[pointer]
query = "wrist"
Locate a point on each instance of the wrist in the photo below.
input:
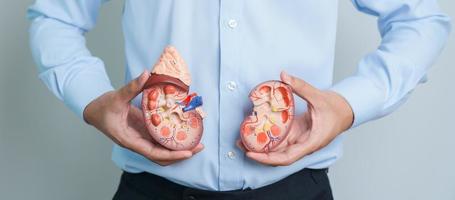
(93, 109)
(87, 112)
(343, 110)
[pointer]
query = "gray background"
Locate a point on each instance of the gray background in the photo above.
(48, 153)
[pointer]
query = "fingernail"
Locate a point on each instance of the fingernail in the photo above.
(141, 75)
(144, 74)
(286, 78)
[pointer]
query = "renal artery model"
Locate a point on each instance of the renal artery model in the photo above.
(272, 116)
(172, 116)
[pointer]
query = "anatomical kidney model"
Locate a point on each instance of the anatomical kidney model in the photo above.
(272, 116)
(173, 116)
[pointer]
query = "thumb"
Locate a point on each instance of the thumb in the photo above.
(134, 87)
(301, 88)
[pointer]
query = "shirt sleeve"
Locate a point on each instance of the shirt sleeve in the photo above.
(413, 33)
(64, 63)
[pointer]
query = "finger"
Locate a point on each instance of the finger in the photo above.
(165, 163)
(271, 158)
(136, 114)
(283, 145)
(195, 150)
(240, 145)
(134, 87)
(156, 152)
(303, 89)
(198, 148)
(291, 155)
(136, 121)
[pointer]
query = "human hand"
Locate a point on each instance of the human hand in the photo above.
(123, 123)
(328, 115)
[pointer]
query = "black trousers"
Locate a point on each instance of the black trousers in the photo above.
(303, 185)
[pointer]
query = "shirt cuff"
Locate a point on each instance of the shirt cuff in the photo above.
(83, 89)
(80, 87)
(364, 96)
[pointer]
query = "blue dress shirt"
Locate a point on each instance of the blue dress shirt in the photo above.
(230, 46)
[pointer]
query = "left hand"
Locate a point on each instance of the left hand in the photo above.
(328, 115)
(113, 115)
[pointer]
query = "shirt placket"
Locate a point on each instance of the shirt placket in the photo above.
(230, 157)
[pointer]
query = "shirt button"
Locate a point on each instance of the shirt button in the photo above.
(231, 154)
(231, 85)
(232, 23)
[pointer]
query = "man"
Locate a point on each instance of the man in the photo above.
(230, 46)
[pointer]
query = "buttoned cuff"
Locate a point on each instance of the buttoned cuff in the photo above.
(363, 95)
(84, 89)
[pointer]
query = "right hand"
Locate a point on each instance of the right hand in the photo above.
(123, 123)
